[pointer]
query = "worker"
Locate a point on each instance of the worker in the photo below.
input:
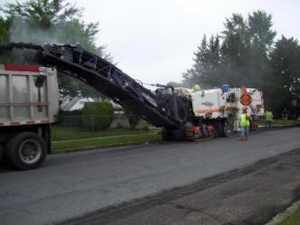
(244, 124)
(285, 115)
(196, 87)
(269, 118)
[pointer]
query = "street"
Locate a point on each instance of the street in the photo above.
(76, 185)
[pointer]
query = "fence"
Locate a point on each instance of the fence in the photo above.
(120, 120)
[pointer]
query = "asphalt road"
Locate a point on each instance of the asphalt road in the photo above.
(85, 185)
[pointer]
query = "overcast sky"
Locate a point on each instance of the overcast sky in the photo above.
(155, 40)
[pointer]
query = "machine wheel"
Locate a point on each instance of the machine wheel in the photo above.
(220, 128)
(26, 150)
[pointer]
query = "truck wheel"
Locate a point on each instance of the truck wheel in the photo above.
(26, 150)
(1, 152)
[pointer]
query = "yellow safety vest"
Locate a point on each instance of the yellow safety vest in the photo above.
(197, 87)
(244, 121)
(269, 115)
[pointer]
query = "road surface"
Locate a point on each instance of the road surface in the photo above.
(77, 185)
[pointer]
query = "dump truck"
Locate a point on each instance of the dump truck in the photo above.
(29, 106)
(28, 110)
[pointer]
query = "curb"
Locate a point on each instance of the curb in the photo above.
(285, 214)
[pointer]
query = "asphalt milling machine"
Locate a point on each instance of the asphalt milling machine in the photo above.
(183, 114)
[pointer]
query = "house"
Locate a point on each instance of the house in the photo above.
(75, 103)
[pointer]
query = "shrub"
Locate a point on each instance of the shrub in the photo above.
(97, 116)
(132, 118)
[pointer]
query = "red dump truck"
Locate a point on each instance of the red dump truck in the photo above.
(29, 106)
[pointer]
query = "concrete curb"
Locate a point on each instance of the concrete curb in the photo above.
(285, 214)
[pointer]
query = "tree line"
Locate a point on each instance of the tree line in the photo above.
(243, 54)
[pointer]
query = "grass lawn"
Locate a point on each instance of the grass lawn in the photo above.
(69, 133)
(282, 123)
(293, 219)
(66, 139)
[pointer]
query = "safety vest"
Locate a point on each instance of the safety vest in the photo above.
(197, 87)
(269, 115)
(244, 121)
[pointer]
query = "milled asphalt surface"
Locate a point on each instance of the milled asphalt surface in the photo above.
(252, 195)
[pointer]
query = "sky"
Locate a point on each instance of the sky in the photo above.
(154, 41)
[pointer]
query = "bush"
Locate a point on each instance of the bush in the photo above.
(132, 118)
(97, 116)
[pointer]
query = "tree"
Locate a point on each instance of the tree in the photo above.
(245, 49)
(261, 38)
(260, 34)
(42, 14)
(285, 58)
(4, 30)
(4, 35)
(53, 21)
(206, 71)
(239, 57)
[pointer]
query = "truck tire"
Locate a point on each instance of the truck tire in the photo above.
(26, 150)
(1, 152)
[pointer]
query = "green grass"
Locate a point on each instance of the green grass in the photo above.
(68, 133)
(288, 123)
(293, 219)
(77, 139)
(282, 123)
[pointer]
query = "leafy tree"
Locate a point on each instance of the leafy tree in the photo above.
(4, 35)
(234, 48)
(260, 34)
(42, 14)
(239, 57)
(4, 30)
(285, 58)
(261, 40)
(245, 49)
(53, 21)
